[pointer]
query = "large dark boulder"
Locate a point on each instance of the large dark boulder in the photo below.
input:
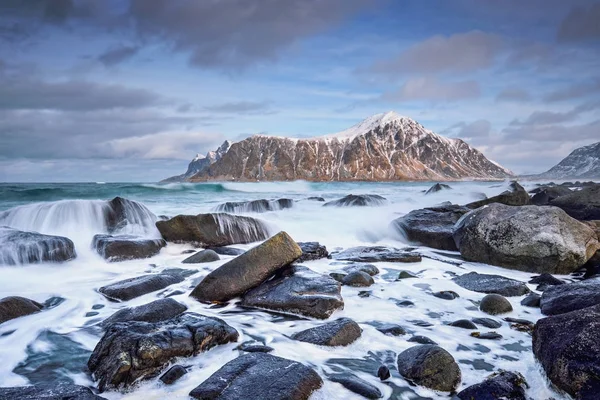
(248, 270)
(19, 247)
(129, 351)
(217, 229)
(561, 299)
(203, 256)
(360, 200)
(502, 385)
(357, 385)
(255, 206)
(340, 332)
(495, 304)
(568, 348)
(582, 204)
(377, 253)
(528, 238)
(54, 391)
(485, 283)
(312, 251)
(259, 376)
(124, 247)
(134, 287)
(358, 279)
(156, 311)
(297, 290)
(438, 187)
(431, 366)
(545, 195)
(516, 195)
(431, 227)
(122, 212)
(14, 307)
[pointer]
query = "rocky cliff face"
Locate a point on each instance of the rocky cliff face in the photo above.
(382, 147)
(582, 163)
(201, 163)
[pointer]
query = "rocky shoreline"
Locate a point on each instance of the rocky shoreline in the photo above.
(551, 231)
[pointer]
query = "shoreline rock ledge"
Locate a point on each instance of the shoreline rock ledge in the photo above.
(248, 270)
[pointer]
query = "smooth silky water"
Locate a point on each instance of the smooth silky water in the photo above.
(55, 344)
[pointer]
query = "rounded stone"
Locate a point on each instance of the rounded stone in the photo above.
(494, 304)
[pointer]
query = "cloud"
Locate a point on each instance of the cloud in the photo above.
(241, 107)
(513, 94)
(546, 132)
(476, 129)
(461, 53)
(581, 24)
(117, 55)
(550, 117)
(429, 88)
(574, 91)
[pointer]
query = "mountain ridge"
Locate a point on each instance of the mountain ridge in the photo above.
(581, 163)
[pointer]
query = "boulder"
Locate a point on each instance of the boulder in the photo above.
(376, 254)
(502, 385)
(432, 227)
(245, 377)
(248, 270)
(582, 204)
(203, 256)
(252, 347)
(315, 198)
(487, 335)
(532, 300)
(485, 283)
(368, 269)
(529, 238)
(312, 251)
(213, 230)
(54, 391)
(383, 373)
(358, 279)
(297, 290)
(227, 251)
(129, 351)
(156, 311)
(357, 385)
(464, 324)
(255, 206)
(516, 195)
(173, 374)
(494, 304)
(124, 247)
(421, 340)
(487, 322)
(340, 332)
(437, 187)
(545, 280)
(568, 348)
(134, 287)
(122, 212)
(389, 329)
(446, 295)
(545, 195)
(360, 200)
(562, 299)
(14, 307)
(19, 247)
(430, 366)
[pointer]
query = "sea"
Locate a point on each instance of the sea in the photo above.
(55, 344)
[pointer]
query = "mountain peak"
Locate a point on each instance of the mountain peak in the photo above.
(371, 123)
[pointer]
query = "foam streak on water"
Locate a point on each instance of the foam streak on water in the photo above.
(77, 282)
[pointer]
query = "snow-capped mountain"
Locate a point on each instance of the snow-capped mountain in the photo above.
(582, 163)
(383, 147)
(201, 162)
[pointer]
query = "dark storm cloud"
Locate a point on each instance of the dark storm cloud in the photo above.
(117, 55)
(230, 33)
(582, 23)
(513, 94)
(241, 107)
(574, 91)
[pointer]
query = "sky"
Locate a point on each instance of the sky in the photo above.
(131, 90)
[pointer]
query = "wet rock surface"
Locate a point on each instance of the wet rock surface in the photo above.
(516, 195)
(360, 200)
(255, 206)
(20, 247)
(297, 290)
(312, 251)
(203, 256)
(245, 377)
(430, 366)
(530, 238)
(485, 283)
(432, 227)
(340, 332)
(494, 304)
(570, 297)
(136, 350)
(248, 270)
(124, 247)
(568, 348)
(122, 212)
(532, 300)
(60, 391)
(369, 269)
(156, 311)
(15, 306)
(227, 251)
(437, 188)
(173, 374)
(213, 230)
(582, 204)
(134, 287)
(502, 385)
(358, 279)
(545, 195)
(377, 253)
(357, 385)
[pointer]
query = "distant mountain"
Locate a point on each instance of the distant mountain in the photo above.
(383, 147)
(582, 163)
(200, 163)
